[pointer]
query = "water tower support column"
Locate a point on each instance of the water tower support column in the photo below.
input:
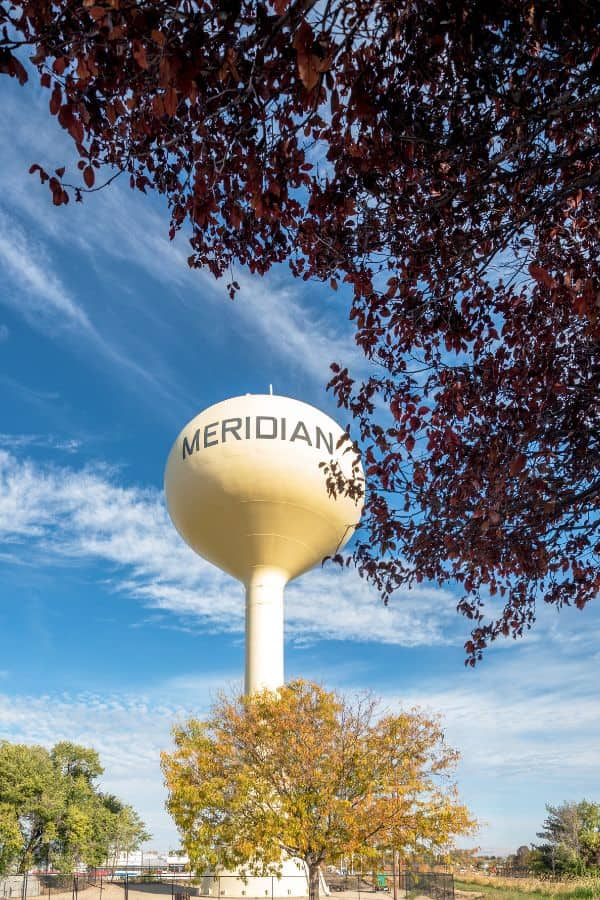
(264, 630)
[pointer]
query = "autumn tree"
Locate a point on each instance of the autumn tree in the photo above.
(52, 812)
(309, 774)
(439, 158)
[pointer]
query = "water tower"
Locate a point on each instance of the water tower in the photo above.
(244, 489)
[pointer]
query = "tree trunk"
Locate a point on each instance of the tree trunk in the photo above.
(313, 881)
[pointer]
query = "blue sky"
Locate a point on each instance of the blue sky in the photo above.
(112, 629)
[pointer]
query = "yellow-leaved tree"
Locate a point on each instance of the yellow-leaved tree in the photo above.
(310, 774)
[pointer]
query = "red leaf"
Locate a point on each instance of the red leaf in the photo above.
(170, 101)
(88, 176)
(310, 65)
(55, 99)
(60, 64)
(409, 443)
(75, 129)
(18, 70)
(517, 464)
(97, 13)
(139, 54)
(541, 275)
(236, 216)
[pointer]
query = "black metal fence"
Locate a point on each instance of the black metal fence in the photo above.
(21, 887)
(362, 883)
(437, 885)
(184, 886)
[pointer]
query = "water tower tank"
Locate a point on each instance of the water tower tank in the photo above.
(245, 491)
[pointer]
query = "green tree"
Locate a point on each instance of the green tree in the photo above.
(53, 812)
(76, 762)
(589, 833)
(28, 787)
(129, 832)
(571, 835)
(309, 774)
(10, 836)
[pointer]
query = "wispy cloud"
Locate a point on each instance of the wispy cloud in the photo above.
(125, 227)
(15, 442)
(32, 287)
(35, 396)
(86, 514)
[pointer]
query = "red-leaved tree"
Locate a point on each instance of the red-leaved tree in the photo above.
(442, 159)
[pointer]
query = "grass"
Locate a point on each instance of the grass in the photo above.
(496, 888)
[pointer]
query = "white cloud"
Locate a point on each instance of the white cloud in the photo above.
(527, 725)
(333, 604)
(85, 514)
(522, 715)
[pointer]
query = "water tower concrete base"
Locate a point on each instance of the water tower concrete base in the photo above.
(291, 883)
